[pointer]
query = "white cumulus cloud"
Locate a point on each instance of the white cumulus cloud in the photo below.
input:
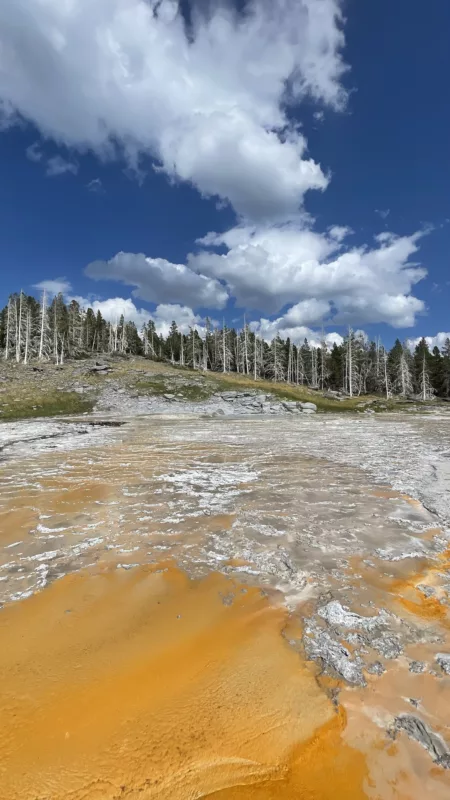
(432, 341)
(57, 165)
(269, 329)
(166, 313)
(163, 315)
(122, 76)
(211, 106)
(267, 268)
(54, 286)
(160, 281)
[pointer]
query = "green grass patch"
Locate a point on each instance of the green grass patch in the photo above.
(193, 386)
(191, 390)
(284, 391)
(45, 405)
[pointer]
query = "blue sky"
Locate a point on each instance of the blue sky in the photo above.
(296, 132)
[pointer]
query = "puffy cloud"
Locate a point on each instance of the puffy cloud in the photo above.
(163, 316)
(166, 313)
(160, 281)
(34, 152)
(266, 268)
(123, 76)
(432, 341)
(54, 286)
(268, 329)
(114, 307)
(57, 165)
(95, 186)
(269, 268)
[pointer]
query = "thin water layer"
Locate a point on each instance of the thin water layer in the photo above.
(341, 523)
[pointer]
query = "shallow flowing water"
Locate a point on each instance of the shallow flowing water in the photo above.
(330, 517)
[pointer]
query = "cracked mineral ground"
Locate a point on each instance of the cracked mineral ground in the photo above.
(232, 607)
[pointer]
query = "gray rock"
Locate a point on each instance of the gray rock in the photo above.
(308, 411)
(307, 406)
(421, 733)
(100, 368)
(428, 591)
(276, 408)
(376, 668)
(417, 667)
(336, 614)
(290, 405)
(388, 645)
(443, 659)
(333, 654)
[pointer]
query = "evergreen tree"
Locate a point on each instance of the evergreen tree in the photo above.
(422, 370)
(446, 369)
(336, 368)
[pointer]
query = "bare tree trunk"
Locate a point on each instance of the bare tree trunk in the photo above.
(27, 336)
(246, 367)
(8, 324)
(181, 349)
(350, 363)
(224, 349)
(43, 325)
(314, 376)
(289, 366)
(55, 335)
(386, 378)
(61, 354)
(255, 357)
(19, 330)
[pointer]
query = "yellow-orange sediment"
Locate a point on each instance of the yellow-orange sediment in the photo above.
(146, 684)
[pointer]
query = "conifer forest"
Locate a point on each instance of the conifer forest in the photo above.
(49, 329)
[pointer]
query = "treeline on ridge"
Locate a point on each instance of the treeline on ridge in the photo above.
(55, 330)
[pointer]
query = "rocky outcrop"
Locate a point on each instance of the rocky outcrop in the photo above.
(227, 403)
(416, 729)
(253, 402)
(443, 659)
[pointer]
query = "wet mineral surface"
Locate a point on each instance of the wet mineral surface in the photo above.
(250, 607)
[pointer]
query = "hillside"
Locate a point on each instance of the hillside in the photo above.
(78, 386)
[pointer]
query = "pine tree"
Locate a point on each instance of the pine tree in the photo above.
(276, 367)
(336, 367)
(422, 369)
(437, 371)
(446, 369)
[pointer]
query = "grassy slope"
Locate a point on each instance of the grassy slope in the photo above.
(44, 405)
(24, 393)
(163, 379)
